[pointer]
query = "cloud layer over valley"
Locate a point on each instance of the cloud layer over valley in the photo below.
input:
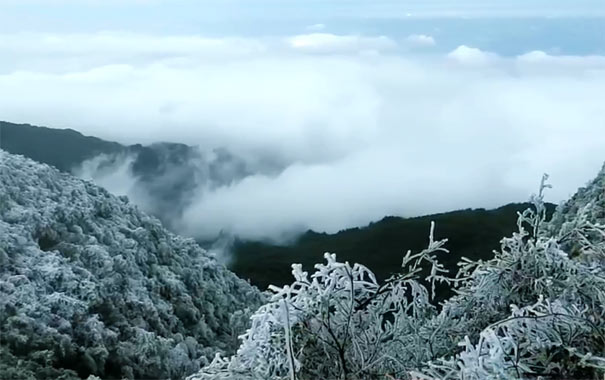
(363, 125)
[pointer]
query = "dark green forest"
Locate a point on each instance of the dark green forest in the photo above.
(471, 233)
(61, 148)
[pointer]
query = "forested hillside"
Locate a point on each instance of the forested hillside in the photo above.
(90, 285)
(162, 178)
(61, 148)
(471, 233)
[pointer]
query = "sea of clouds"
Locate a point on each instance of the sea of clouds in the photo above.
(363, 125)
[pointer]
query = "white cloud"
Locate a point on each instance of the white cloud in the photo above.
(470, 56)
(331, 43)
(362, 136)
(117, 177)
(360, 188)
(76, 52)
(539, 58)
(420, 40)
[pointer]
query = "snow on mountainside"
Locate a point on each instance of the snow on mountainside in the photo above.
(587, 204)
(593, 193)
(90, 285)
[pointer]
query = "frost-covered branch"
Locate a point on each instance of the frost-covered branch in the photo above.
(535, 310)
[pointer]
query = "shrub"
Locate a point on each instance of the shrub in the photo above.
(533, 311)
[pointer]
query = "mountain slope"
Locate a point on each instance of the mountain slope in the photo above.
(590, 198)
(162, 178)
(91, 285)
(61, 148)
(381, 245)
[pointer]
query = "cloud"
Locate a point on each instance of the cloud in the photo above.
(111, 174)
(539, 58)
(359, 136)
(331, 43)
(420, 40)
(351, 192)
(41, 52)
(45, 53)
(469, 56)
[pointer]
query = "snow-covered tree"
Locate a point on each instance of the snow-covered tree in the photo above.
(91, 285)
(536, 310)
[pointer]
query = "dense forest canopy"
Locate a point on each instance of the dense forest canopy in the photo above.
(474, 234)
(90, 285)
(61, 148)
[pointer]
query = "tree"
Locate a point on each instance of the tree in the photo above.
(531, 311)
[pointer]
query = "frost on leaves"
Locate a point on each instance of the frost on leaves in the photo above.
(534, 311)
(91, 285)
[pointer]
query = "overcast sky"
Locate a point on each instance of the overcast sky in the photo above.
(264, 16)
(374, 107)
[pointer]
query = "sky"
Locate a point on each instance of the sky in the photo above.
(372, 108)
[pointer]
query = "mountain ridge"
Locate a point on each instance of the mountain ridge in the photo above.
(163, 177)
(472, 233)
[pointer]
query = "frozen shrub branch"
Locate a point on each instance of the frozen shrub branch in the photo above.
(534, 310)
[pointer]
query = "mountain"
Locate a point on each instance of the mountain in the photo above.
(162, 178)
(90, 285)
(471, 233)
(588, 203)
(588, 200)
(61, 148)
